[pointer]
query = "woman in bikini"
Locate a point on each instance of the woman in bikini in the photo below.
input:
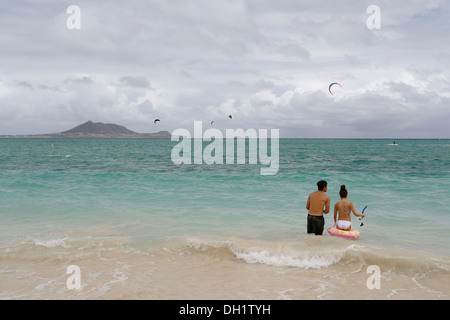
(344, 208)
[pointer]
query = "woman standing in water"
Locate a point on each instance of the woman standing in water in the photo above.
(344, 208)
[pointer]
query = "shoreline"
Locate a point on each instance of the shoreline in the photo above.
(197, 268)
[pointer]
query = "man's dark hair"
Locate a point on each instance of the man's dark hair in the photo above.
(321, 184)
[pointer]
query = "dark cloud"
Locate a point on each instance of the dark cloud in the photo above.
(82, 80)
(139, 82)
(25, 84)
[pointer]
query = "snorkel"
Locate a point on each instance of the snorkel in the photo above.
(362, 223)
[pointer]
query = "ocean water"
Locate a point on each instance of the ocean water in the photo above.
(140, 227)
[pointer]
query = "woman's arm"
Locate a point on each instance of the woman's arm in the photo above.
(335, 213)
(356, 213)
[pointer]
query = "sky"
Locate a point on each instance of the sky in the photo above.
(269, 64)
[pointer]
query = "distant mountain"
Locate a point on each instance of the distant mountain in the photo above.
(98, 130)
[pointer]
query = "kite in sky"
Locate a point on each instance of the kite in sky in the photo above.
(329, 88)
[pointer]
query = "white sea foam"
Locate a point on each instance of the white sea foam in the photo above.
(120, 275)
(52, 243)
(308, 261)
(272, 254)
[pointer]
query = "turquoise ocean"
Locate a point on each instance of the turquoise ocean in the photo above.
(139, 226)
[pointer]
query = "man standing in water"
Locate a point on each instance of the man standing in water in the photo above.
(316, 203)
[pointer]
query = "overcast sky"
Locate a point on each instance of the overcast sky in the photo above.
(267, 63)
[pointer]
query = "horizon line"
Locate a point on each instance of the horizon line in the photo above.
(47, 136)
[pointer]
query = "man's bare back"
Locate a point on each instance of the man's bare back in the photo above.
(317, 201)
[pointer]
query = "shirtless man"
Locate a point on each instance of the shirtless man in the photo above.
(316, 203)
